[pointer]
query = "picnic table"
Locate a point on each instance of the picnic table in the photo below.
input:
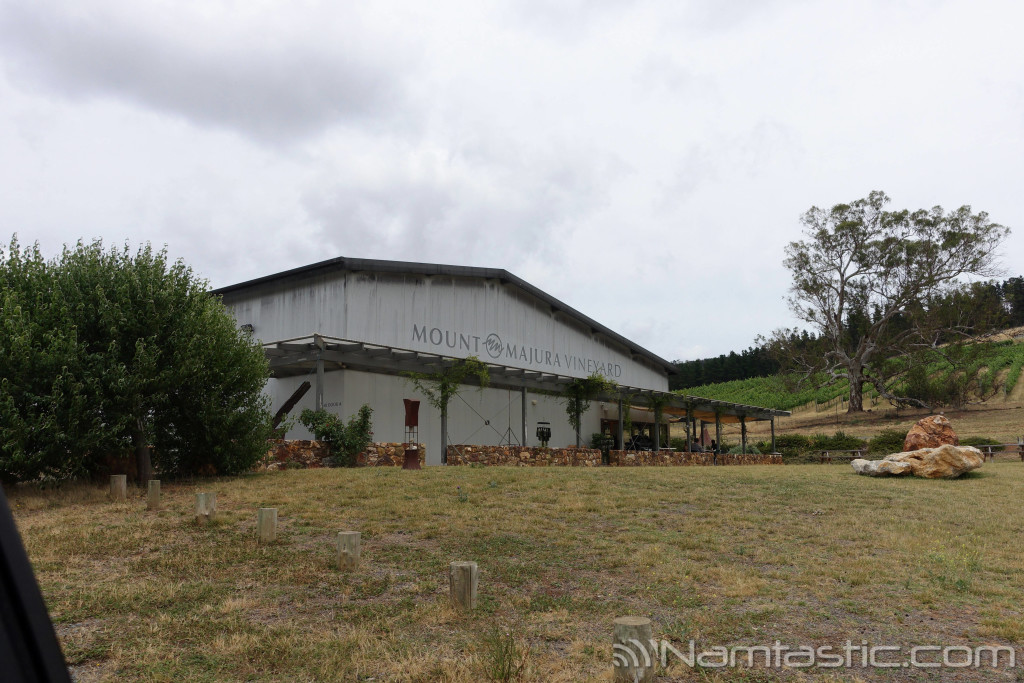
(989, 450)
(830, 455)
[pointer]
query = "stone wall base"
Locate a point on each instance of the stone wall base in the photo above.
(587, 457)
(523, 457)
(306, 453)
(681, 459)
(303, 453)
(387, 455)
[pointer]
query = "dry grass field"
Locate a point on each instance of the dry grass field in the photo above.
(1003, 421)
(807, 555)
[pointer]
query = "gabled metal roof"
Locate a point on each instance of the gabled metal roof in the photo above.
(299, 356)
(345, 264)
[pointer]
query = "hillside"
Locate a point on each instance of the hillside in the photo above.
(997, 368)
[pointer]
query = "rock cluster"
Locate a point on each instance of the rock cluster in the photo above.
(930, 432)
(944, 462)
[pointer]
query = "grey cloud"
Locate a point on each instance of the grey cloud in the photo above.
(478, 215)
(761, 150)
(264, 81)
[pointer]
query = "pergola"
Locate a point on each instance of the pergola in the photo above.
(319, 353)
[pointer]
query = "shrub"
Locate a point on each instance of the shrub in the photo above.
(888, 441)
(979, 441)
(840, 441)
(751, 448)
(792, 441)
(103, 353)
(504, 660)
(789, 445)
(346, 441)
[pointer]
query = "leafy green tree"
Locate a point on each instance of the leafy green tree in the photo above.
(442, 386)
(578, 394)
(132, 353)
(859, 257)
(47, 423)
(1013, 295)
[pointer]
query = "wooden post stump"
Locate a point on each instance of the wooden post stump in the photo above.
(631, 652)
(118, 487)
(462, 584)
(348, 549)
(206, 507)
(266, 522)
(153, 496)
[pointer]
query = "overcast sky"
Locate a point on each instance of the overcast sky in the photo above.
(645, 162)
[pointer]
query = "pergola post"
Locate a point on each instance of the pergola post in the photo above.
(657, 428)
(622, 426)
(773, 434)
(523, 443)
(319, 383)
(718, 435)
(319, 342)
(743, 434)
(689, 441)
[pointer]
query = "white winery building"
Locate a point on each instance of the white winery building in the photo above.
(352, 327)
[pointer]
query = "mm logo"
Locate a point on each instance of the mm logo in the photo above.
(493, 345)
(627, 657)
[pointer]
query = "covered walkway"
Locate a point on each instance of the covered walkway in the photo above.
(320, 354)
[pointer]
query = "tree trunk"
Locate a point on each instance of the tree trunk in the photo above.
(143, 461)
(856, 391)
(444, 436)
(579, 416)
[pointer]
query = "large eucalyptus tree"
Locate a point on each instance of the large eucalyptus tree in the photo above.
(863, 278)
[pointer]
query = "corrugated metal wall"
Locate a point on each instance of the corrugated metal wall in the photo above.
(451, 316)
